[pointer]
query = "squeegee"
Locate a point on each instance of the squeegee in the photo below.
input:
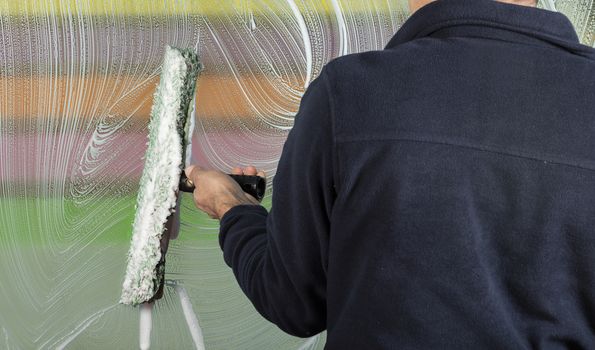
(157, 217)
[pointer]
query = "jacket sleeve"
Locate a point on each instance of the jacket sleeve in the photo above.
(280, 258)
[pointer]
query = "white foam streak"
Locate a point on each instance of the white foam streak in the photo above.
(145, 325)
(191, 318)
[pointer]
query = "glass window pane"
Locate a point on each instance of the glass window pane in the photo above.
(76, 85)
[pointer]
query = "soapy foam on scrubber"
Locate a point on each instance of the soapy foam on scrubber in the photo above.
(169, 134)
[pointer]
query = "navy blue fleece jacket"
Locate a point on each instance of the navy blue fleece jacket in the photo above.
(437, 194)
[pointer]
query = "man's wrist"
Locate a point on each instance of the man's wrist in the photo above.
(226, 206)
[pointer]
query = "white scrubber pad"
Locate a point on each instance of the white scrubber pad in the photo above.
(169, 134)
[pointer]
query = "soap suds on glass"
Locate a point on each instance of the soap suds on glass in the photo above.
(76, 84)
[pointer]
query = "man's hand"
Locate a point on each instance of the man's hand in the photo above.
(215, 192)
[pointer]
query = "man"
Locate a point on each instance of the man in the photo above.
(438, 194)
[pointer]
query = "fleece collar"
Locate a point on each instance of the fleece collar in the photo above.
(477, 17)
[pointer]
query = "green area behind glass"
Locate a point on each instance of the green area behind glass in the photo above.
(101, 220)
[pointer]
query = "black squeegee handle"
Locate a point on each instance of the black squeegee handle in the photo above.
(253, 185)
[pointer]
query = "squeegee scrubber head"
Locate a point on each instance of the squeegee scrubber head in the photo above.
(164, 161)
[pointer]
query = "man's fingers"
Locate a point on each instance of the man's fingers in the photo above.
(250, 170)
(192, 170)
(189, 170)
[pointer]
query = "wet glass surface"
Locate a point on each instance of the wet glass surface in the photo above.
(76, 84)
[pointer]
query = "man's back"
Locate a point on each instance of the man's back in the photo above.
(438, 194)
(466, 194)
